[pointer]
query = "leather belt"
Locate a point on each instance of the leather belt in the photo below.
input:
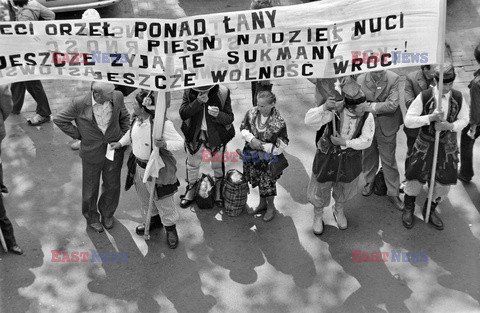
(141, 163)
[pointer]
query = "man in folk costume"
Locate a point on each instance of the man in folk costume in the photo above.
(450, 119)
(338, 160)
(140, 136)
(207, 118)
(415, 83)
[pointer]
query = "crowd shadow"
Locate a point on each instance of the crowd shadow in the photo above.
(162, 269)
(16, 271)
(295, 179)
(240, 244)
(455, 249)
(378, 286)
(474, 194)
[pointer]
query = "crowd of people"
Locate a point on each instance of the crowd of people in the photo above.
(356, 119)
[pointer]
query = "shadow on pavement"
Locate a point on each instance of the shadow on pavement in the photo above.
(295, 179)
(473, 193)
(237, 244)
(16, 271)
(454, 249)
(378, 286)
(141, 278)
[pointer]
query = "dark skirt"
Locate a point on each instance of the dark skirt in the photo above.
(257, 174)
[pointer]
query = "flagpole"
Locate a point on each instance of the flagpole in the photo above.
(2, 240)
(441, 52)
(158, 125)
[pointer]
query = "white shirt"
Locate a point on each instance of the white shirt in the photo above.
(141, 138)
(317, 117)
(415, 119)
(103, 114)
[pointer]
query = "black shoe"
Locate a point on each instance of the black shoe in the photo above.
(172, 236)
(155, 223)
(97, 227)
(464, 179)
(16, 249)
(434, 219)
(189, 196)
(367, 190)
(409, 207)
(3, 188)
(107, 222)
(218, 192)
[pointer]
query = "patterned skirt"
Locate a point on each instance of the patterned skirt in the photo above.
(257, 174)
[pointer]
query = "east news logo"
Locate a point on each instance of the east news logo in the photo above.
(393, 256)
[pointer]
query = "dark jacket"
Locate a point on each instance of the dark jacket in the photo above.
(475, 99)
(94, 143)
(192, 111)
(5, 108)
(388, 115)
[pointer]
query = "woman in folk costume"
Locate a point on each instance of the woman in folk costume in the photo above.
(452, 118)
(140, 137)
(338, 160)
(264, 130)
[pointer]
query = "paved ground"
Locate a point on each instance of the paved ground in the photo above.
(237, 264)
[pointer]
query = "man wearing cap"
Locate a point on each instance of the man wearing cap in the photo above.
(424, 114)
(207, 125)
(415, 83)
(338, 160)
(100, 118)
(381, 91)
(472, 131)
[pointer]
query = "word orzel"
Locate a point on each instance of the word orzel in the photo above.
(246, 156)
(84, 256)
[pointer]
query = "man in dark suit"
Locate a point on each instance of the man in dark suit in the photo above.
(415, 83)
(472, 131)
(100, 118)
(5, 225)
(381, 91)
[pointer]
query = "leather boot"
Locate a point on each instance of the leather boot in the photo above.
(271, 210)
(172, 236)
(218, 192)
(339, 216)
(155, 222)
(189, 196)
(262, 206)
(409, 208)
(317, 220)
(434, 220)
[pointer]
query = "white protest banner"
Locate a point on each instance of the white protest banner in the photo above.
(330, 38)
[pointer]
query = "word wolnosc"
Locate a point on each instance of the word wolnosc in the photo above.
(245, 156)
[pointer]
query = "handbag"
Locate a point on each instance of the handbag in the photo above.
(205, 195)
(277, 164)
